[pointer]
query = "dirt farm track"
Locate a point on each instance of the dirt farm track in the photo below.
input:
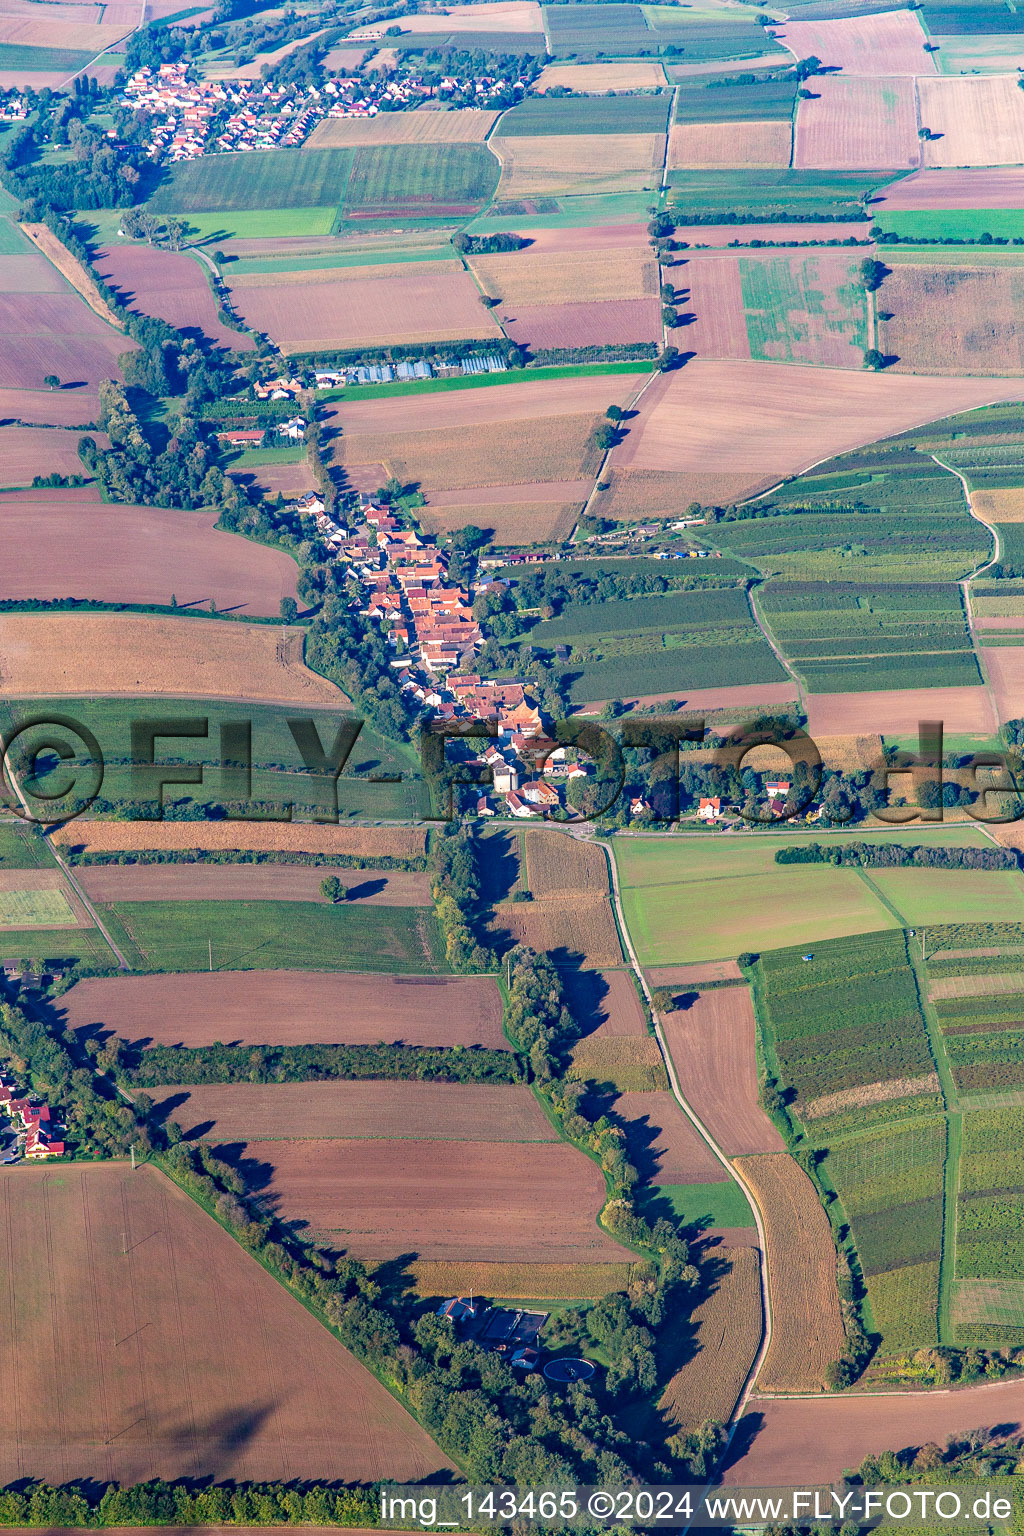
(145, 1343)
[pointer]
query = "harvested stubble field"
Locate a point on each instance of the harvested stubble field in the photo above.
(854, 124)
(679, 976)
(584, 325)
(410, 305)
(710, 296)
(714, 235)
(891, 43)
(357, 1111)
(353, 1008)
(560, 866)
(604, 1003)
(464, 127)
(29, 451)
(977, 121)
(29, 273)
(955, 320)
(170, 286)
(593, 237)
(452, 412)
(379, 1199)
(580, 933)
(560, 449)
(578, 164)
(801, 1443)
(43, 333)
(981, 187)
(630, 1063)
(726, 1328)
(255, 836)
(767, 420)
(808, 1331)
(1005, 505)
(115, 1385)
(487, 16)
(592, 79)
(1005, 667)
(540, 1282)
(52, 654)
(249, 882)
(291, 480)
(720, 146)
(642, 493)
(52, 31)
(896, 712)
(713, 1051)
(554, 278)
(50, 407)
(518, 522)
(72, 270)
(125, 554)
(664, 1143)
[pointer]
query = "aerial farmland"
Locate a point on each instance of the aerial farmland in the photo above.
(511, 881)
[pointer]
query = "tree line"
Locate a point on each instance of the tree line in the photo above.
(891, 855)
(158, 1064)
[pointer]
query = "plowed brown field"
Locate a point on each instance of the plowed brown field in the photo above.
(665, 1145)
(585, 324)
(412, 309)
(594, 79)
(891, 43)
(800, 1443)
(457, 458)
(255, 836)
(490, 1200)
(125, 554)
(78, 407)
(769, 420)
(149, 1344)
(857, 124)
(249, 882)
(29, 451)
(473, 407)
(514, 522)
(63, 653)
(604, 1003)
(711, 1044)
(1005, 667)
(169, 285)
(526, 278)
(980, 187)
(710, 302)
(727, 1331)
(693, 975)
(807, 1329)
(896, 712)
(44, 333)
(355, 1111)
(286, 1008)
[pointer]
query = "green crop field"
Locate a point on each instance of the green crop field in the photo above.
(361, 258)
(843, 1025)
(710, 1205)
(674, 921)
(952, 895)
(655, 644)
(612, 30)
(278, 773)
(265, 224)
(566, 213)
(63, 946)
(988, 1298)
(275, 178)
(443, 175)
(728, 100)
(586, 114)
(22, 57)
(953, 224)
(794, 311)
(12, 241)
(258, 935)
(21, 848)
(744, 195)
(36, 909)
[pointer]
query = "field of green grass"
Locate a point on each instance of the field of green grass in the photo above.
(36, 909)
(278, 773)
(64, 945)
(926, 896)
(710, 1205)
(21, 848)
(953, 224)
(361, 258)
(588, 114)
(21, 56)
(720, 100)
(262, 935)
(262, 224)
(795, 311)
(769, 195)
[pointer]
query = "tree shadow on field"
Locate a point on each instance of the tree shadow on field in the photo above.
(366, 889)
(747, 1431)
(585, 993)
(255, 1174)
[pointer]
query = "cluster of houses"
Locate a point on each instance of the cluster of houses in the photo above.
(291, 431)
(34, 1125)
(193, 117)
(711, 810)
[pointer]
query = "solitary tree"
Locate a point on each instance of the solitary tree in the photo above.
(51, 381)
(615, 413)
(333, 890)
(664, 1002)
(874, 359)
(289, 609)
(872, 273)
